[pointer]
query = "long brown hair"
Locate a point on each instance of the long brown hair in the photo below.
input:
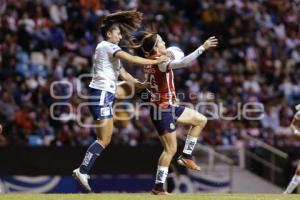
(144, 43)
(127, 21)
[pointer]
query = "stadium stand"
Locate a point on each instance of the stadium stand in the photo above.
(45, 41)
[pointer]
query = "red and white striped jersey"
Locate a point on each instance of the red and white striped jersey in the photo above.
(162, 84)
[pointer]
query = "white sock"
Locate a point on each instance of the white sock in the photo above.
(293, 184)
(190, 143)
(161, 174)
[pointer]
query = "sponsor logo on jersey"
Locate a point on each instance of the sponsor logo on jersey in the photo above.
(148, 69)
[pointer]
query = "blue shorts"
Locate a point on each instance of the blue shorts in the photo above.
(100, 103)
(164, 119)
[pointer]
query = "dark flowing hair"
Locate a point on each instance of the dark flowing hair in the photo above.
(128, 22)
(144, 43)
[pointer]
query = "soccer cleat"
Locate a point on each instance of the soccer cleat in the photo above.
(83, 180)
(159, 192)
(188, 163)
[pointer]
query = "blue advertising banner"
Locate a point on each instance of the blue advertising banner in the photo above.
(67, 184)
(190, 182)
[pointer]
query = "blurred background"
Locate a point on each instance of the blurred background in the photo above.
(46, 45)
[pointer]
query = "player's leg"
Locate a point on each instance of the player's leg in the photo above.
(298, 169)
(104, 131)
(169, 143)
(124, 90)
(127, 90)
(164, 123)
(101, 109)
(197, 122)
(294, 182)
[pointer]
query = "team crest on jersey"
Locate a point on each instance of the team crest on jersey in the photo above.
(172, 126)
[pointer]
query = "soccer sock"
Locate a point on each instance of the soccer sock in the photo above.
(293, 184)
(91, 155)
(161, 176)
(190, 143)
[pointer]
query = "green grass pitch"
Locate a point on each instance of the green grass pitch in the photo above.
(144, 196)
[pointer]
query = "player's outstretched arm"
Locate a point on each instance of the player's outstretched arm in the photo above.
(125, 76)
(126, 57)
(185, 61)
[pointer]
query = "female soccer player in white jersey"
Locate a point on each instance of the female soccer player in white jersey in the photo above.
(166, 111)
(106, 70)
(295, 126)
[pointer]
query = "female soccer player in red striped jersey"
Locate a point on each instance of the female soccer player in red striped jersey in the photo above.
(166, 112)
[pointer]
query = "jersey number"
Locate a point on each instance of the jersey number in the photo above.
(153, 83)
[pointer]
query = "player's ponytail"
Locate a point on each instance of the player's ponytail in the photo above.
(145, 43)
(127, 21)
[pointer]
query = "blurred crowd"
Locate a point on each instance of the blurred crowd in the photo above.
(46, 49)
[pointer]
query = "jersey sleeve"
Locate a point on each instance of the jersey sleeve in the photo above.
(112, 49)
(185, 61)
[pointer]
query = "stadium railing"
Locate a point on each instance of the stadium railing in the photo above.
(214, 157)
(268, 157)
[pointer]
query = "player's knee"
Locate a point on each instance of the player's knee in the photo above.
(200, 120)
(171, 149)
(104, 142)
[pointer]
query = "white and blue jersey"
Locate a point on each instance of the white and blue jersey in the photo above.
(106, 67)
(106, 70)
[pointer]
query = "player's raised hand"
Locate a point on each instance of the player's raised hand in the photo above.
(210, 42)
